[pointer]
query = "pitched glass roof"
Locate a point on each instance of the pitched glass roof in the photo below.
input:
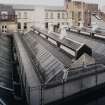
(49, 66)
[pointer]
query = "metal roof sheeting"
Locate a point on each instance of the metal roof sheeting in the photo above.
(6, 69)
(5, 62)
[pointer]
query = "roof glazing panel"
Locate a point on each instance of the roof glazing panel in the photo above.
(49, 65)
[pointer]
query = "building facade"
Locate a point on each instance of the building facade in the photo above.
(56, 18)
(80, 12)
(25, 17)
(51, 18)
(8, 19)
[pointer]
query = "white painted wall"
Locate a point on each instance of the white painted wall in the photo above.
(39, 15)
(29, 20)
(11, 26)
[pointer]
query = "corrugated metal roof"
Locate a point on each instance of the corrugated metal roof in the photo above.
(5, 63)
(6, 68)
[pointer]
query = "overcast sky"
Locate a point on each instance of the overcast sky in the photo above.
(40, 2)
(44, 2)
